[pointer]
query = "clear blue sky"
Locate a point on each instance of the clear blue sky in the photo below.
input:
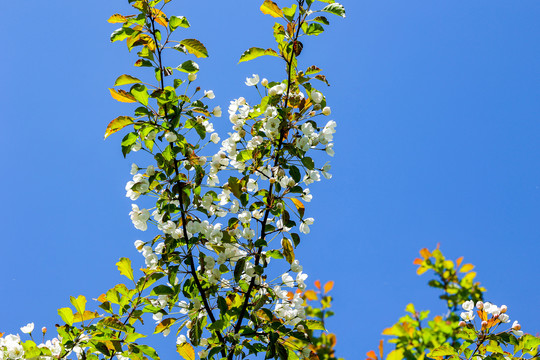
(437, 104)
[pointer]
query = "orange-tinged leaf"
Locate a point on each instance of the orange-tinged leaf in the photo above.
(313, 356)
(117, 18)
(160, 17)
(418, 261)
(482, 315)
(299, 206)
(388, 331)
(118, 124)
(381, 344)
(271, 8)
(1, 334)
(186, 351)
(333, 340)
(328, 286)
(466, 268)
(102, 298)
(122, 96)
(421, 270)
(318, 284)
(458, 261)
(371, 355)
(425, 253)
(311, 295)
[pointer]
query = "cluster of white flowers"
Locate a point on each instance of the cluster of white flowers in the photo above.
(139, 185)
(150, 256)
(496, 312)
(139, 217)
(11, 347)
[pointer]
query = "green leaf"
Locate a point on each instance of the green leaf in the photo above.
(124, 266)
(308, 163)
(147, 350)
(396, 354)
(140, 93)
(118, 124)
(188, 67)
(313, 29)
(79, 303)
(315, 325)
(289, 12)
(195, 47)
(443, 350)
(295, 174)
(162, 290)
(178, 21)
(271, 8)
(335, 8)
(322, 20)
(255, 52)
(126, 79)
(67, 315)
(239, 269)
(114, 323)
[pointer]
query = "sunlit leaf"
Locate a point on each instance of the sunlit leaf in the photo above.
(318, 284)
(126, 79)
(186, 351)
(79, 303)
(299, 206)
(195, 47)
(117, 18)
(188, 66)
(466, 268)
(443, 350)
(425, 253)
(122, 96)
(255, 52)
(165, 324)
(124, 266)
(315, 325)
(67, 315)
(395, 355)
(178, 21)
(335, 8)
(288, 250)
(328, 286)
(87, 315)
(310, 295)
(271, 8)
(118, 124)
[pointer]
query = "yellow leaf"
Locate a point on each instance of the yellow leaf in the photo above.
(421, 270)
(160, 17)
(124, 266)
(466, 268)
(195, 47)
(165, 324)
(79, 303)
(328, 286)
(458, 261)
(271, 8)
(410, 308)
(122, 96)
(388, 331)
(87, 315)
(299, 206)
(186, 351)
(126, 79)
(311, 295)
(288, 250)
(118, 124)
(395, 355)
(117, 18)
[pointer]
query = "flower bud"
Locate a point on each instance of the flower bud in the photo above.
(462, 323)
(192, 77)
(504, 308)
(242, 133)
(479, 305)
(44, 330)
(516, 326)
(484, 324)
(264, 82)
(326, 111)
(300, 327)
(188, 324)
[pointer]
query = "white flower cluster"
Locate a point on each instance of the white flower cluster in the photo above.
(496, 312)
(291, 308)
(11, 347)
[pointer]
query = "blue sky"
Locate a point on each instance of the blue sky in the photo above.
(437, 105)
